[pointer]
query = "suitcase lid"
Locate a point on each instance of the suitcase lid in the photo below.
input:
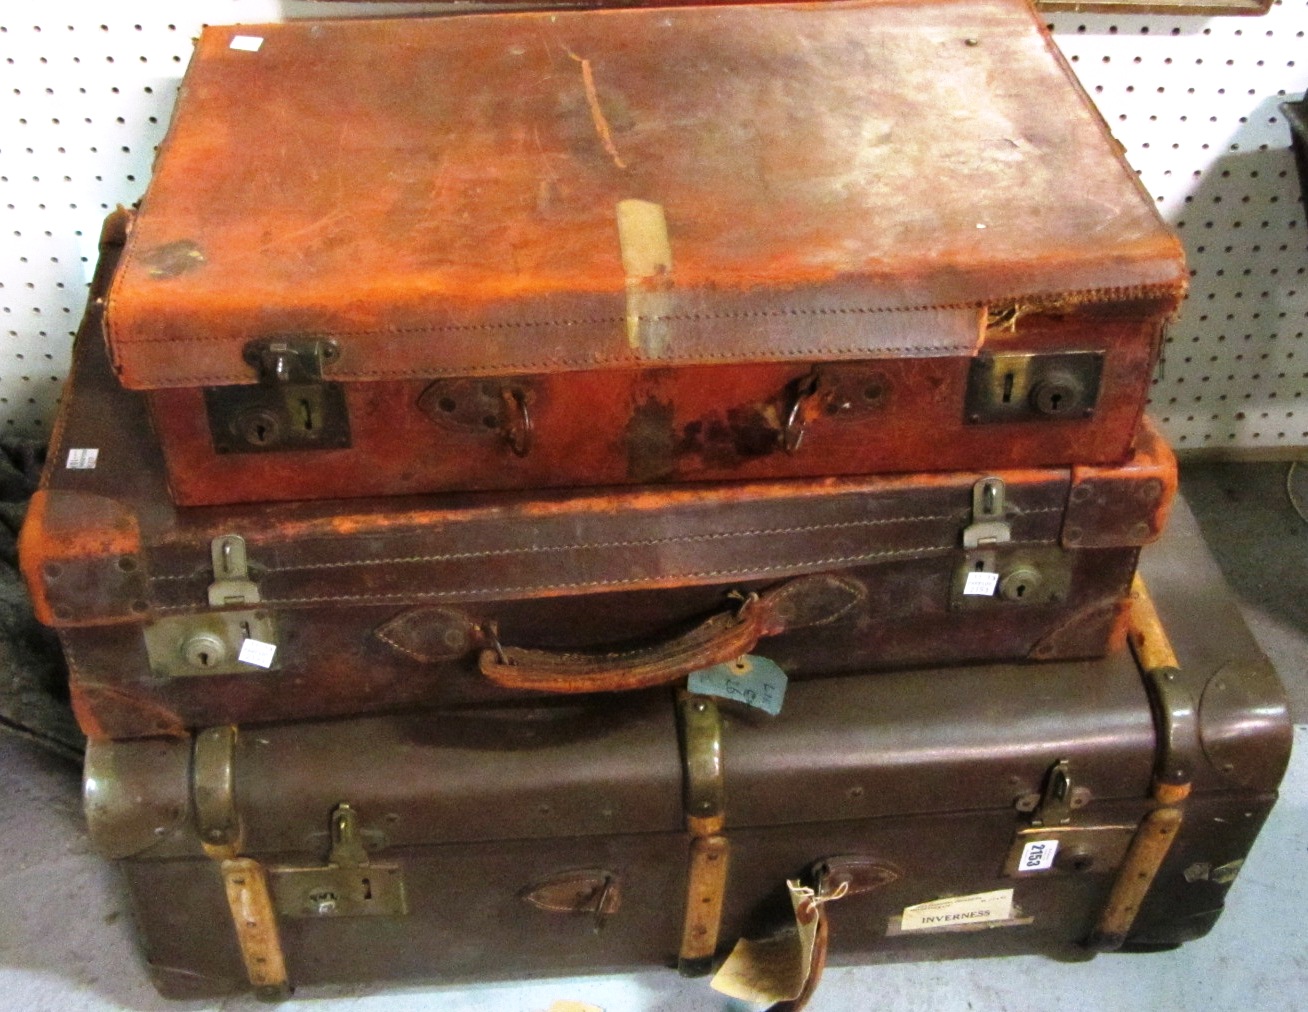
(602, 189)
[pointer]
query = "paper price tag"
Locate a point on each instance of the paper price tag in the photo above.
(1038, 855)
(982, 584)
(257, 652)
(978, 908)
(247, 43)
(754, 681)
(82, 460)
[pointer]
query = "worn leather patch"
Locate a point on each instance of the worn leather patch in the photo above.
(430, 634)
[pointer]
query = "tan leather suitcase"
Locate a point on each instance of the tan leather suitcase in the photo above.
(518, 251)
(371, 605)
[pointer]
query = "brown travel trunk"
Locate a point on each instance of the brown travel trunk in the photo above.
(494, 840)
(637, 246)
(376, 605)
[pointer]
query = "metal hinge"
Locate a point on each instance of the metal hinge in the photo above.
(291, 408)
(210, 643)
(348, 885)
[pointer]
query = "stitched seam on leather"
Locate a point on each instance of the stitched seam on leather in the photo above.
(745, 573)
(1082, 295)
(404, 650)
(603, 545)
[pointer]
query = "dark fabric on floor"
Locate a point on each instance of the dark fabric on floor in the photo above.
(33, 678)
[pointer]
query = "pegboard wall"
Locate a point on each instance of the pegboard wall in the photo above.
(86, 88)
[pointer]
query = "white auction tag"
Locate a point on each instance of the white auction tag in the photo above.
(983, 584)
(257, 652)
(247, 43)
(82, 460)
(1038, 855)
(978, 908)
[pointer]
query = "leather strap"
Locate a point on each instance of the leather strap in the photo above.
(809, 600)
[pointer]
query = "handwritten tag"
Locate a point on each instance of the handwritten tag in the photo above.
(247, 43)
(82, 460)
(754, 681)
(982, 584)
(257, 652)
(777, 968)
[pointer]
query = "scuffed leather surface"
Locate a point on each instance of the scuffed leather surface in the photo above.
(440, 194)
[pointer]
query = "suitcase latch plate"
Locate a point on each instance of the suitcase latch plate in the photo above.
(290, 408)
(210, 642)
(1033, 386)
(348, 885)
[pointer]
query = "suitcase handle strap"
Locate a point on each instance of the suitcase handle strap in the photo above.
(806, 601)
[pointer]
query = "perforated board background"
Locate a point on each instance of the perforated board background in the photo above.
(86, 88)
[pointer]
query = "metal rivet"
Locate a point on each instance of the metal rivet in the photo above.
(53, 570)
(972, 42)
(700, 706)
(127, 564)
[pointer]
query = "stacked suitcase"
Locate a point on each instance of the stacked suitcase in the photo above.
(736, 373)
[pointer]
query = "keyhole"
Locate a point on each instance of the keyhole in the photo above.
(1020, 589)
(980, 566)
(306, 416)
(367, 889)
(204, 658)
(1054, 401)
(260, 433)
(1008, 388)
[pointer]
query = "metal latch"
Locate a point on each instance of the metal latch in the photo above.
(348, 885)
(209, 643)
(291, 408)
(1053, 806)
(1052, 842)
(989, 524)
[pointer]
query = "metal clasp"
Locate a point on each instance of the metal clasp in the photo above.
(989, 525)
(792, 431)
(349, 885)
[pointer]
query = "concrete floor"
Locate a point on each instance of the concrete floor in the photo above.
(66, 942)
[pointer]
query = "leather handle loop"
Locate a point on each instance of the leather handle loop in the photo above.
(798, 603)
(721, 638)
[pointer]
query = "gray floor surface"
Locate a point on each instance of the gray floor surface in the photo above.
(66, 941)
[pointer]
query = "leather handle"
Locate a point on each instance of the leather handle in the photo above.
(721, 638)
(808, 600)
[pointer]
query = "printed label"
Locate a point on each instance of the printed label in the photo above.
(979, 908)
(82, 460)
(982, 584)
(257, 652)
(1038, 855)
(754, 681)
(247, 43)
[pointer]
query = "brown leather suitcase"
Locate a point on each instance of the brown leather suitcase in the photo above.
(518, 251)
(377, 604)
(492, 844)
